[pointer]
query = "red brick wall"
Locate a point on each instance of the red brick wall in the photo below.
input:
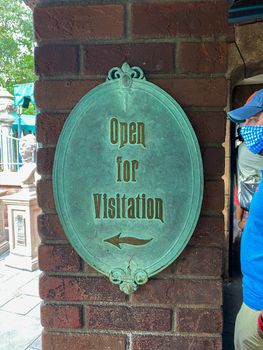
(181, 46)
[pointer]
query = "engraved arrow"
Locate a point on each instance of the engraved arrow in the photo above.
(117, 240)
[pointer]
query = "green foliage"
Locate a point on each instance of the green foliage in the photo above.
(16, 44)
(29, 110)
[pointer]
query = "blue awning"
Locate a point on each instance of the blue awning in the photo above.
(24, 94)
(27, 123)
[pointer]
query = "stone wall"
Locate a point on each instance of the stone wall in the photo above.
(182, 47)
(245, 52)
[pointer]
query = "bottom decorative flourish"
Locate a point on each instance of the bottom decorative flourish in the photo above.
(128, 281)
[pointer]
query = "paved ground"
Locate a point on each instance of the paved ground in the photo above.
(19, 309)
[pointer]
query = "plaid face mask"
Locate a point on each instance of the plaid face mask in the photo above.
(253, 137)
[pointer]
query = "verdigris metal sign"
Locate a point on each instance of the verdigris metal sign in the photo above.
(128, 178)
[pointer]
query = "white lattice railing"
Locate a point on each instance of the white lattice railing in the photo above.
(10, 159)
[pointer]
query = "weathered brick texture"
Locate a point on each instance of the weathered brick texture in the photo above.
(49, 127)
(180, 291)
(214, 162)
(151, 57)
(60, 316)
(62, 94)
(199, 321)
(175, 343)
(208, 57)
(60, 341)
(60, 258)
(197, 261)
(45, 194)
(55, 60)
(79, 22)
(196, 92)
(213, 197)
(179, 19)
(128, 318)
(209, 231)
(210, 127)
(79, 289)
(49, 227)
(45, 160)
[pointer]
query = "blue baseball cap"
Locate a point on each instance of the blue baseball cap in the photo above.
(253, 106)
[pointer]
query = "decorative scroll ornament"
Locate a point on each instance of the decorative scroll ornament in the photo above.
(128, 281)
(126, 74)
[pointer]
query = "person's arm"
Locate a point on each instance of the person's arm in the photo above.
(260, 324)
(239, 214)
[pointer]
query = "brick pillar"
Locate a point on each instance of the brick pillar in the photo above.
(181, 46)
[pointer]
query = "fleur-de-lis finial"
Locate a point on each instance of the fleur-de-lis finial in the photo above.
(126, 73)
(128, 280)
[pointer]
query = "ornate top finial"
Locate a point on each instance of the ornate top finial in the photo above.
(126, 74)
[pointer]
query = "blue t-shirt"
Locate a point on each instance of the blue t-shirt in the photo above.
(252, 253)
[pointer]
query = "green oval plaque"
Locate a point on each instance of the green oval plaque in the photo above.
(128, 178)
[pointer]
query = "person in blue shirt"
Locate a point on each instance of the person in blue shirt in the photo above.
(249, 321)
